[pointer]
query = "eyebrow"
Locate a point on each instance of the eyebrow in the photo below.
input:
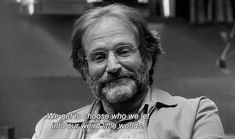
(115, 46)
(123, 43)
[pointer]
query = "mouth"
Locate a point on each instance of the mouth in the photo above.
(114, 80)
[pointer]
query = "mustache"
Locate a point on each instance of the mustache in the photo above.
(122, 74)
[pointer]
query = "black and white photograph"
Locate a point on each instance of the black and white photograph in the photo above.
(117, 69)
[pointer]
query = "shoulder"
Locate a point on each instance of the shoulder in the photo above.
(193, 104)
(47, 124)
(199, 114)
(83, 110)
(199, 106)
(198, 103)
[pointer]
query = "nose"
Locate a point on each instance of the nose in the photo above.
(113, 64)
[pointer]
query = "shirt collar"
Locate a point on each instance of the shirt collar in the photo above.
(159, 98)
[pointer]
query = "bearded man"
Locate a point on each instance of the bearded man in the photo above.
(116, 53)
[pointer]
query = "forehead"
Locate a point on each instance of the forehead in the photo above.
(109, 30)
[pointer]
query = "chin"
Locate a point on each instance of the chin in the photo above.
(119, 91)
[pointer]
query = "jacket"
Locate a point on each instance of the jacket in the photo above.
(170, 117)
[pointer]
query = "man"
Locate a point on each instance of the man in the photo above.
(115, 53)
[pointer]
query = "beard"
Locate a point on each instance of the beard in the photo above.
(125, 86)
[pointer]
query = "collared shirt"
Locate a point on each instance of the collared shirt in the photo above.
(127, 126)
(170, 117)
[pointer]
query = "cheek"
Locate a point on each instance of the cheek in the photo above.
(96, 71)
(133, 63)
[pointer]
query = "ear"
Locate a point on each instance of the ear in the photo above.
(149, 63)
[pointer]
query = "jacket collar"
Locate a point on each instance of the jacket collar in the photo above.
(159, 98)
(154, 98)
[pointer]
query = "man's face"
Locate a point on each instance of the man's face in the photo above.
(117, 78)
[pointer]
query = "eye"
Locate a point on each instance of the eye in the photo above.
(124, 51)
(98, 57)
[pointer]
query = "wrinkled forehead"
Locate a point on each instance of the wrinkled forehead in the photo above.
(110, 25)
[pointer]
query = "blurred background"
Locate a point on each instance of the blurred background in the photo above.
(37, 77)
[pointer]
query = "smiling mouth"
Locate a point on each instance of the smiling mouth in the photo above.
(115, 80)
(118, 79)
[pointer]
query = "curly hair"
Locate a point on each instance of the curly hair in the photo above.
(149, 41)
